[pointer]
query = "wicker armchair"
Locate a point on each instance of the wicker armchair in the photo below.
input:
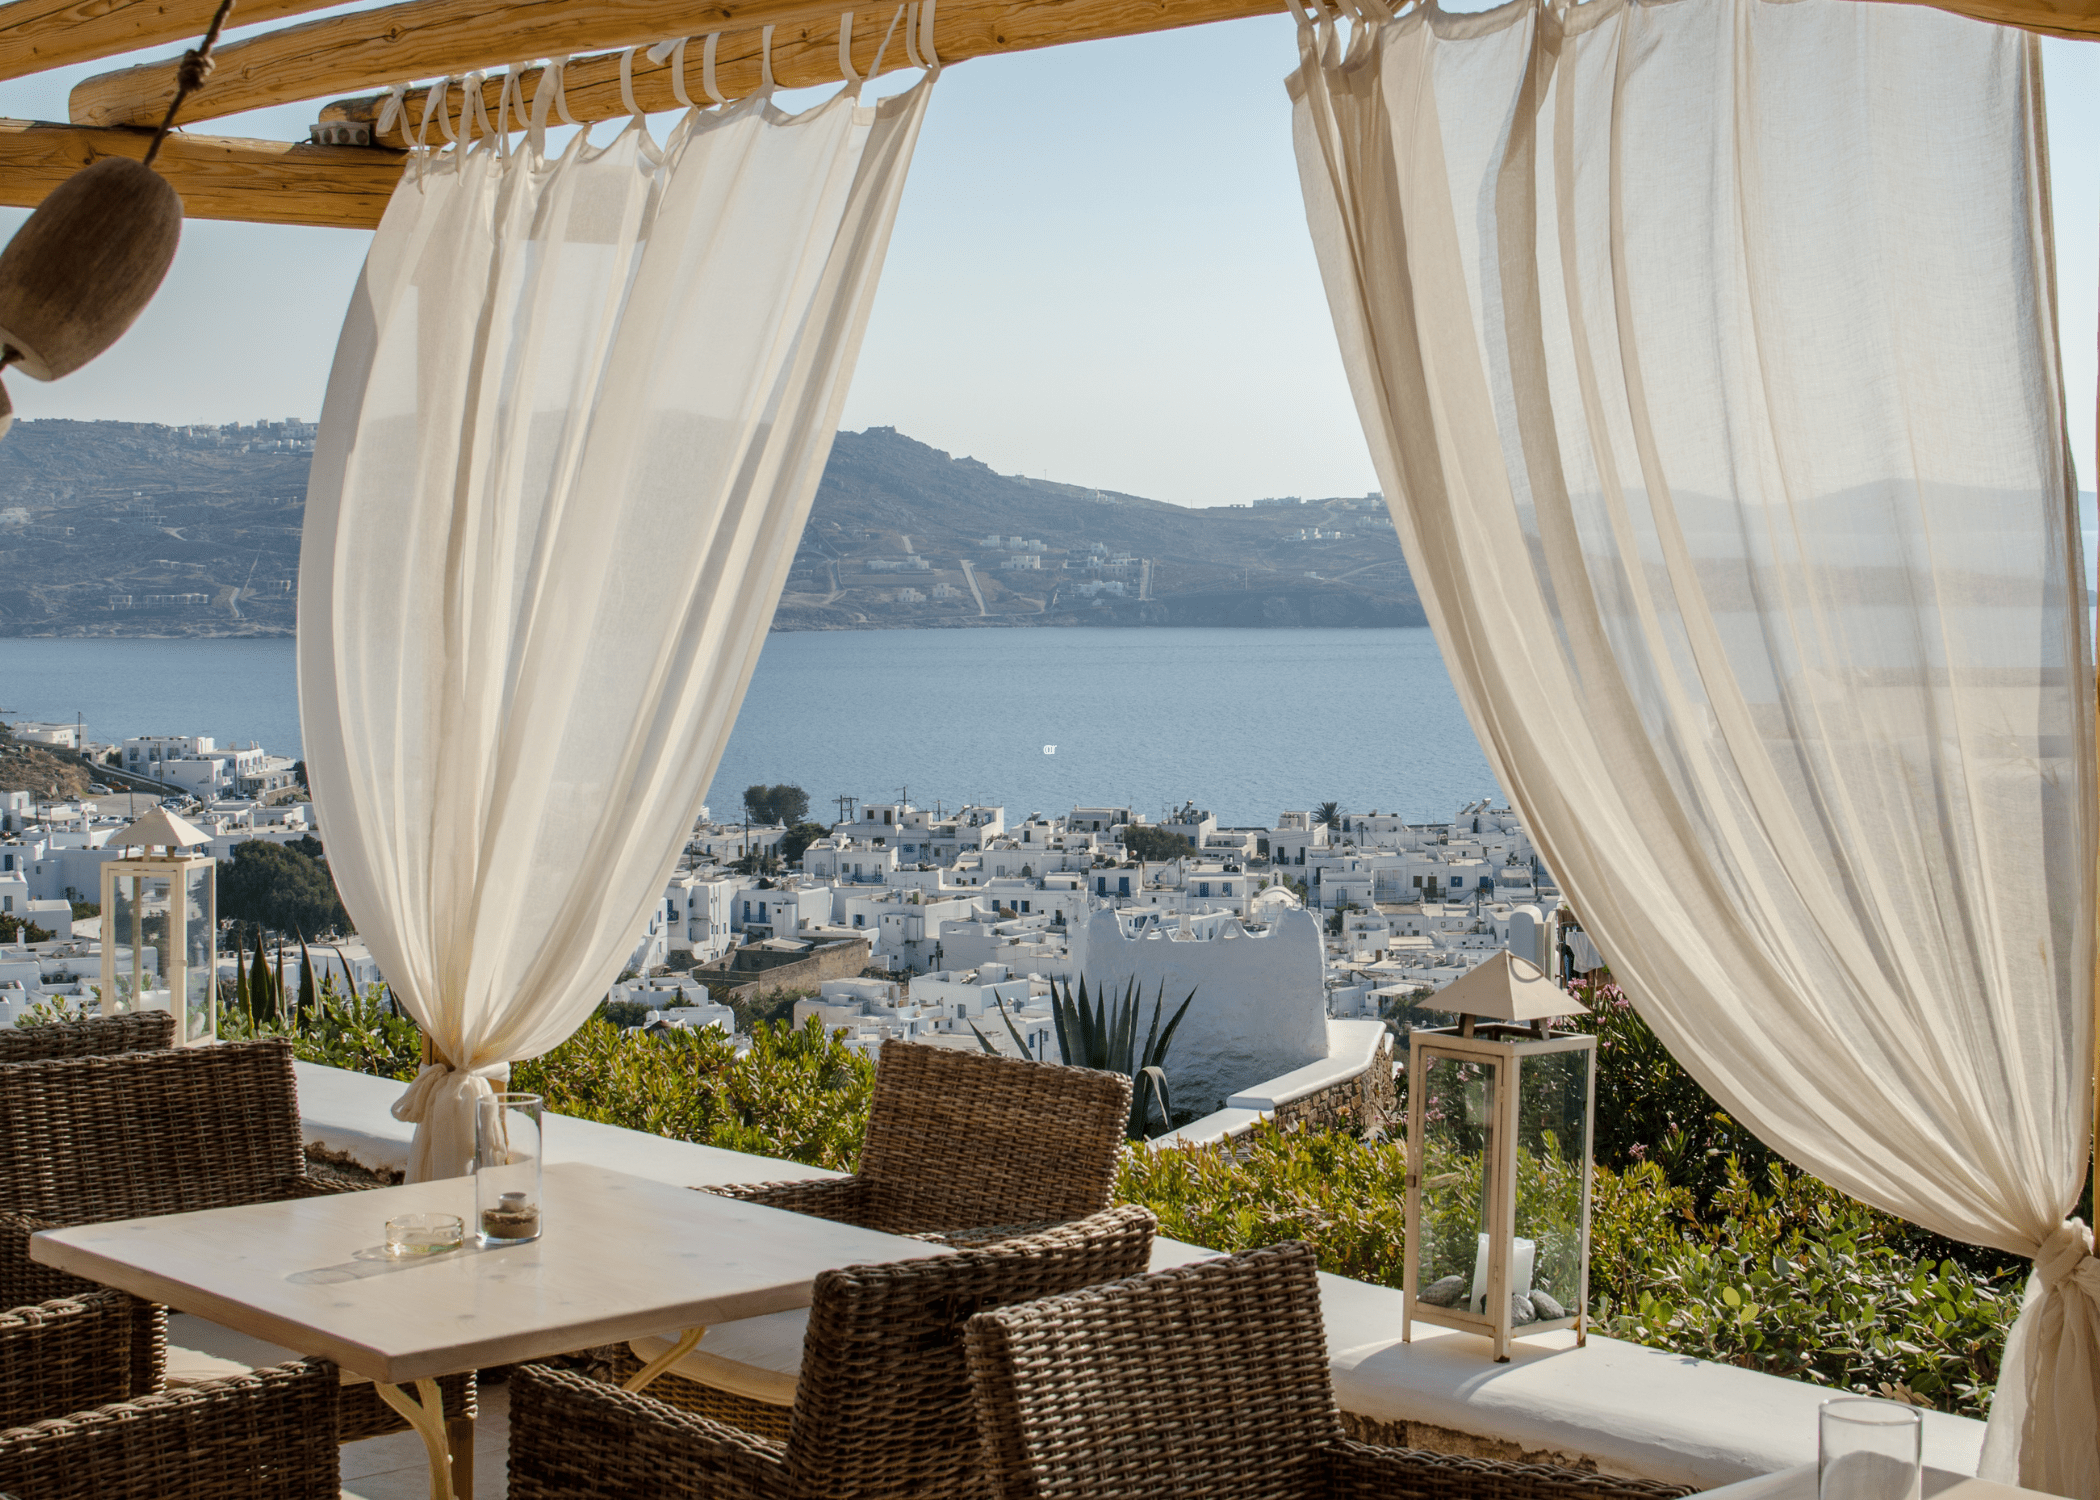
(269, 1435)
(87, 1139)
(883, 1388)
(97, 1036)
(962, 1147)
(958, 1141)
(1205, 1382)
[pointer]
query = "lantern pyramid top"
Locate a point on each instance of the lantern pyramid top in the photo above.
(160, 829)
(1508, 988)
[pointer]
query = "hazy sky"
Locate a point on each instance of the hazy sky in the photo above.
(1100, 274)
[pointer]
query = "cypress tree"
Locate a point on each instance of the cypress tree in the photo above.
(309, 993)
(262, 1000)
(277, 990)
(241, 999)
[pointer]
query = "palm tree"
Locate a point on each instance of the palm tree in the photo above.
(1329, 814)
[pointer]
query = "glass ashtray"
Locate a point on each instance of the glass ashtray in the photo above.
(424, 1234)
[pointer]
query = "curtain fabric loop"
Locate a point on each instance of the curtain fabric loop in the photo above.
(911, 33)
(765, 61)
(707, 69)
(673, 51)
(627, 83)
(929, 59)
(1762, 592)
(846, 52)
(882, 48)
(392, 109)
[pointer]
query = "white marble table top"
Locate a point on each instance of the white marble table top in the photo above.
(621, 1257)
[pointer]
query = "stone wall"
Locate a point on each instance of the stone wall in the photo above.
(1428, 1435)
(750, 970)
(1368, 1101)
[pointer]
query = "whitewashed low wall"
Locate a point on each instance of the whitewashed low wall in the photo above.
(1354, 1048)
(1260, 1005)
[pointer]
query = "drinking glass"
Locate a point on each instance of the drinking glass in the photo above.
(507, 1208)
(1869, 1449)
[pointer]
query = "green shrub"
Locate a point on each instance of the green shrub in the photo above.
(803, 1095)
(1781, 1274)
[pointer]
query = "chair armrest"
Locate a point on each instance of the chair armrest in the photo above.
(269, 1435)
(1361, 1471)
(24, 1282)
(311, 1187)
(986, 1236)
(580, 1439)
(66, 1355)
(842, 1199)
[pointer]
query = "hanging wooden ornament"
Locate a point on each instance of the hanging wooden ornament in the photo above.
(87, 262)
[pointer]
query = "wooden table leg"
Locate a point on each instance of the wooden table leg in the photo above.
(427, 1416)
(686, 1342)
(459, 1432)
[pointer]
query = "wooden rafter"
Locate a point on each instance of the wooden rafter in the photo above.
(343, 187)
(413, 39)
(423, 38)
(38, 35)
(806, 55)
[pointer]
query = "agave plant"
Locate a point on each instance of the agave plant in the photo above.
(1103, 1034)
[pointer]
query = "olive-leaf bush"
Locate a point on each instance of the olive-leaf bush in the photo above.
(802, 1095)
(799, 1094)
(1781, 1274)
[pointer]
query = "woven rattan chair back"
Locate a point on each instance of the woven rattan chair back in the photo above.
(90, 1138)
(882, 1406)
(97, 1036)
(1209, 1380)
(957, 1139)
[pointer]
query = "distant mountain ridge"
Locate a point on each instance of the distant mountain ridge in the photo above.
(121, 528)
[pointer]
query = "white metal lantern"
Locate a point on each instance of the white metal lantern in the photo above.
(1500, 1114)
(160, 926)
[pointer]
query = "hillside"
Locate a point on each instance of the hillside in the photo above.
(117, 528)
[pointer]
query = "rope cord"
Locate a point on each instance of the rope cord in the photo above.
(190, 74)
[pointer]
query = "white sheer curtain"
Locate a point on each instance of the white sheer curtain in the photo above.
(575, 423)
(1706, 353)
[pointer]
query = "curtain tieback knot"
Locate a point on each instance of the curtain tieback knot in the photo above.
(440, 1103)
(2066, 1259)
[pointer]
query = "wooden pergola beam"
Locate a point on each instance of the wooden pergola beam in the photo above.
(413, 39)
(277, 182)
(425, 38)
(38, 35)
(806, 55)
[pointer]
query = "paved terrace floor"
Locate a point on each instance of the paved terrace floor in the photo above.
(1624, 1408)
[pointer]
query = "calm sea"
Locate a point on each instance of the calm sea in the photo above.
(1243, 722)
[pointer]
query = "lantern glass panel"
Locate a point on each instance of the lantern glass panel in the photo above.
(200, 962)
(152, 956)
(1552, 1157)
(1458, 1114)
(123, 930)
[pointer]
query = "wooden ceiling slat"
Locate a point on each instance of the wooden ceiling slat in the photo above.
(276, 182)
(806, 56)
(415, 39)
(38, 35)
